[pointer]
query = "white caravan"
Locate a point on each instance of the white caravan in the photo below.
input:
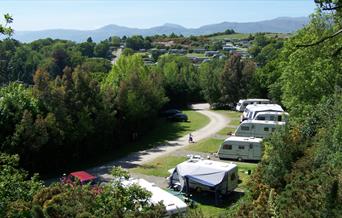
(257, 128)
(252, 110)
(173, 204)
(272, 116)
(241, 148)
(242, 104)
(207, 175)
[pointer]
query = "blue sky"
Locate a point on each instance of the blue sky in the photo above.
(92, 14)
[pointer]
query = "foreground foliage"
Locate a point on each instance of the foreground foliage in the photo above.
(300, 173)
(22, 197)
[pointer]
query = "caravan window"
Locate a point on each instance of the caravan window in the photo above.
(245, 128)
(266, 129)
(241, 147)
(250, 146)
(272, 117)
(279, 118)
(228, 147)
(261, 118)
(233, 177)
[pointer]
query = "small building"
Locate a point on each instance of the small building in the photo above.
(177, 51)
(211, 53)
(199, 50)
(229, 48)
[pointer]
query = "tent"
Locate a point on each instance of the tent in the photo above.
(208, 175)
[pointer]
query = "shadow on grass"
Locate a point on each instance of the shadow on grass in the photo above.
(208, 198)
(163, 131)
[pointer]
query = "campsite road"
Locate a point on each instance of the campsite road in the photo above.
(217, 122)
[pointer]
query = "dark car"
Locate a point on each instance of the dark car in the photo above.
(178, 117)
(170, 112)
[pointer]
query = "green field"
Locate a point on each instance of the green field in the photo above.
(159, 166)
(230, 36)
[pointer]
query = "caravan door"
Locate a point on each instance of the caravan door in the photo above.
(242, 151)
(251, 153)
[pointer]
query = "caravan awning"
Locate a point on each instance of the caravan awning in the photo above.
(210, 180)
(205, 172)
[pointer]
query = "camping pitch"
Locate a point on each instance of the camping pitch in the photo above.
(207, 175)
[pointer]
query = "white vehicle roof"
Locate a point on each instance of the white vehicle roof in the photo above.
(192, 165)
(171, 202)
(253, 99)
(244, 139)
(263, 122)
(262, 107)
(273, 113)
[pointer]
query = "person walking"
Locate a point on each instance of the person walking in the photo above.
(191, 140)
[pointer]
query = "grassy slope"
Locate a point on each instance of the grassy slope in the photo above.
(246, 35)
(169, 131)
(230, 36)
(199, 55)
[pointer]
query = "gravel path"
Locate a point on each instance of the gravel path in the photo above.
(217, 122)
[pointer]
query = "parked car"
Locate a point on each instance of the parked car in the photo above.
(178, 117)
(82, 177)
(170, 112)
(222, 106)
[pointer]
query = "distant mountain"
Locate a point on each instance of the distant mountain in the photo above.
(278, 25)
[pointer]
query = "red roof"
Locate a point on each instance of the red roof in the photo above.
(83, 176)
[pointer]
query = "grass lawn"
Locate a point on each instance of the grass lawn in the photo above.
(235, 122)
(226, 130)
(159, 166)
(206, 206)
(209, 209)
(243, 175)
(209, 145)
(230, 114)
